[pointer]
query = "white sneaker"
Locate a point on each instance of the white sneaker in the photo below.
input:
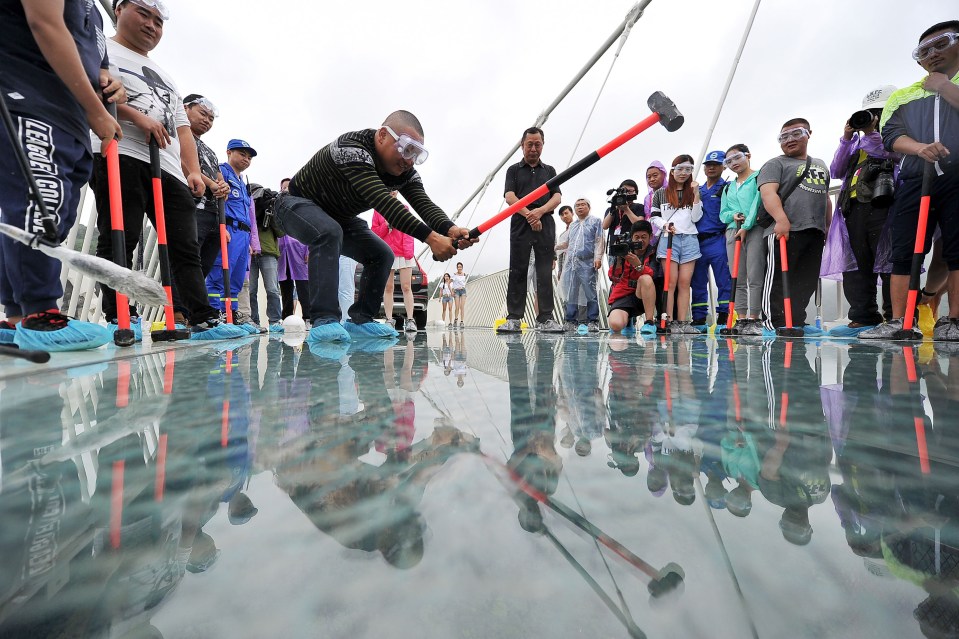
(411, 326)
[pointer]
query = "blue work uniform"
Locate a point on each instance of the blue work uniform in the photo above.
(712, 245)
(238, 247)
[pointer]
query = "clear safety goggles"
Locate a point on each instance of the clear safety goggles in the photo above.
(733, 159)
(408, 148)
(934, 45)
(683, 168)
(793, 134)
(155, 5)
(206, 104)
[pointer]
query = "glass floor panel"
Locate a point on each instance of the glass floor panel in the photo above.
(464, 484)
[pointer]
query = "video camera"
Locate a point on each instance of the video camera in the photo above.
(622, 245)
(620, 197)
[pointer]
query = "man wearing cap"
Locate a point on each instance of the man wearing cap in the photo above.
(712, 245)
(860, 162)
(155, 110)
(239, 154)
(921, 121)
(355, 173)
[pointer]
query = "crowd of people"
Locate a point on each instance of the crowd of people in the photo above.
(783, 205)
(307, 241)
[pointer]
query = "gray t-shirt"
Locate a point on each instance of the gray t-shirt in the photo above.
(807, 205)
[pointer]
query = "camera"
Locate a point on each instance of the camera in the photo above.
(861, 119)
(875, 183)
(620, 197)
(622, 245)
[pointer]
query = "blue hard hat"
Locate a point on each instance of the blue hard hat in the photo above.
(241, 144)
(715, 156)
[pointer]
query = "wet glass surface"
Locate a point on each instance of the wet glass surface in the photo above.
(464, 484)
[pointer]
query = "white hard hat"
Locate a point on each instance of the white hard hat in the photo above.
(876, 99)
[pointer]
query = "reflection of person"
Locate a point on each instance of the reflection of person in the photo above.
(630, 415)
(532, 401)
(353, 174)
(586, 411)
(459, 359)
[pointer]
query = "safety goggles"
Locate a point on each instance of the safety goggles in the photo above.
(155, 5)
(206, 104)
(683, 168)
(793, 134)
(733, 159)
(934, 45)
(408, 148)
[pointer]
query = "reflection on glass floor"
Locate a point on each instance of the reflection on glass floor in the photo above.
(464, 484)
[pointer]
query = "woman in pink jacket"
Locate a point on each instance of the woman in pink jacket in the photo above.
(402, 245)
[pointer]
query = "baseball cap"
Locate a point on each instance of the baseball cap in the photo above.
(240, 144)
(715, 156)
(876, 99)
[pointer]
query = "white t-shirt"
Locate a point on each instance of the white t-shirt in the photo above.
(152, 92)
(459, 281)
(684, 219)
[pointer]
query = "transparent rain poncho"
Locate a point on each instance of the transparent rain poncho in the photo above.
(578, 279)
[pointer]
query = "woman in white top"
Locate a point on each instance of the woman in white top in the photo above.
(675, 209)
(459, 293)
(446, 297)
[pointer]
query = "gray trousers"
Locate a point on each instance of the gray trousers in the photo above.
(752, 270)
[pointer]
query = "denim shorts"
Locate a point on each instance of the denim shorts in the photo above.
(447, 300)
(459, 292)
(685, 248)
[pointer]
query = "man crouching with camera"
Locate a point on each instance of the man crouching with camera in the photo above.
(632, 272)
(866, 170)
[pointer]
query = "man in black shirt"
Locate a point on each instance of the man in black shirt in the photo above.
(352, 174)
(531, 229)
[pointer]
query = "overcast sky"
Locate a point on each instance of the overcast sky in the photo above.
(290, 76)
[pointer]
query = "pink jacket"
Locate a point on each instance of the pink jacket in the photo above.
(401, 243)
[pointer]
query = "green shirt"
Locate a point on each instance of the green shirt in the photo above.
(741, 198)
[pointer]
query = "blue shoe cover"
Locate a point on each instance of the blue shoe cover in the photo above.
(277, 328)
(7, 335)
(76, 336)
(648, 329)
(134, 326)
(373, 345)
(370, 329)
(250, 328)
(581, 329)
(702, 328)
(812, 331)
(629, 330)
(769, 333)
(222, 331)
(332, 332)
(845, 331)
(329, 350)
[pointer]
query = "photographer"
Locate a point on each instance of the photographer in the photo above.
(866, 171)
(632, 273)
(623, 211)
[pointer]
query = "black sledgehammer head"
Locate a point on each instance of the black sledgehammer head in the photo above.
(669, 115)
(670, 579)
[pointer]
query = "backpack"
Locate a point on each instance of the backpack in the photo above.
(263, 200)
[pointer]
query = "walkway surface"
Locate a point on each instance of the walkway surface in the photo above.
(464, 484)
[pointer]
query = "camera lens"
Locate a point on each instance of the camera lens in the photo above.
(860, 119)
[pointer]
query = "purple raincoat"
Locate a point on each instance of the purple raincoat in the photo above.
(293, 254)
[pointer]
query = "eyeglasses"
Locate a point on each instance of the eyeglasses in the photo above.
(206, 104)
(793, 134)
(409, 148)
(156, 5)
(934, 45)
(683, 168)
(732, 159)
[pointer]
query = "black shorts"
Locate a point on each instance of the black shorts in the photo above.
(943, 212)
(629, 303)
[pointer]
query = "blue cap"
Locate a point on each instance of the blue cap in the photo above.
(715, 156)
(241, 144)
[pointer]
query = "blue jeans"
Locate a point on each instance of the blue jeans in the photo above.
(328, 239)
(265, 265)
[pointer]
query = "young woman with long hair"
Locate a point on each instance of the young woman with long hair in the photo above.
(459, 293)
(446, 298)
(675, 209)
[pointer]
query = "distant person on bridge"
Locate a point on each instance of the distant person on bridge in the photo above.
(531, 230)
(402, 246)
(352, 174)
